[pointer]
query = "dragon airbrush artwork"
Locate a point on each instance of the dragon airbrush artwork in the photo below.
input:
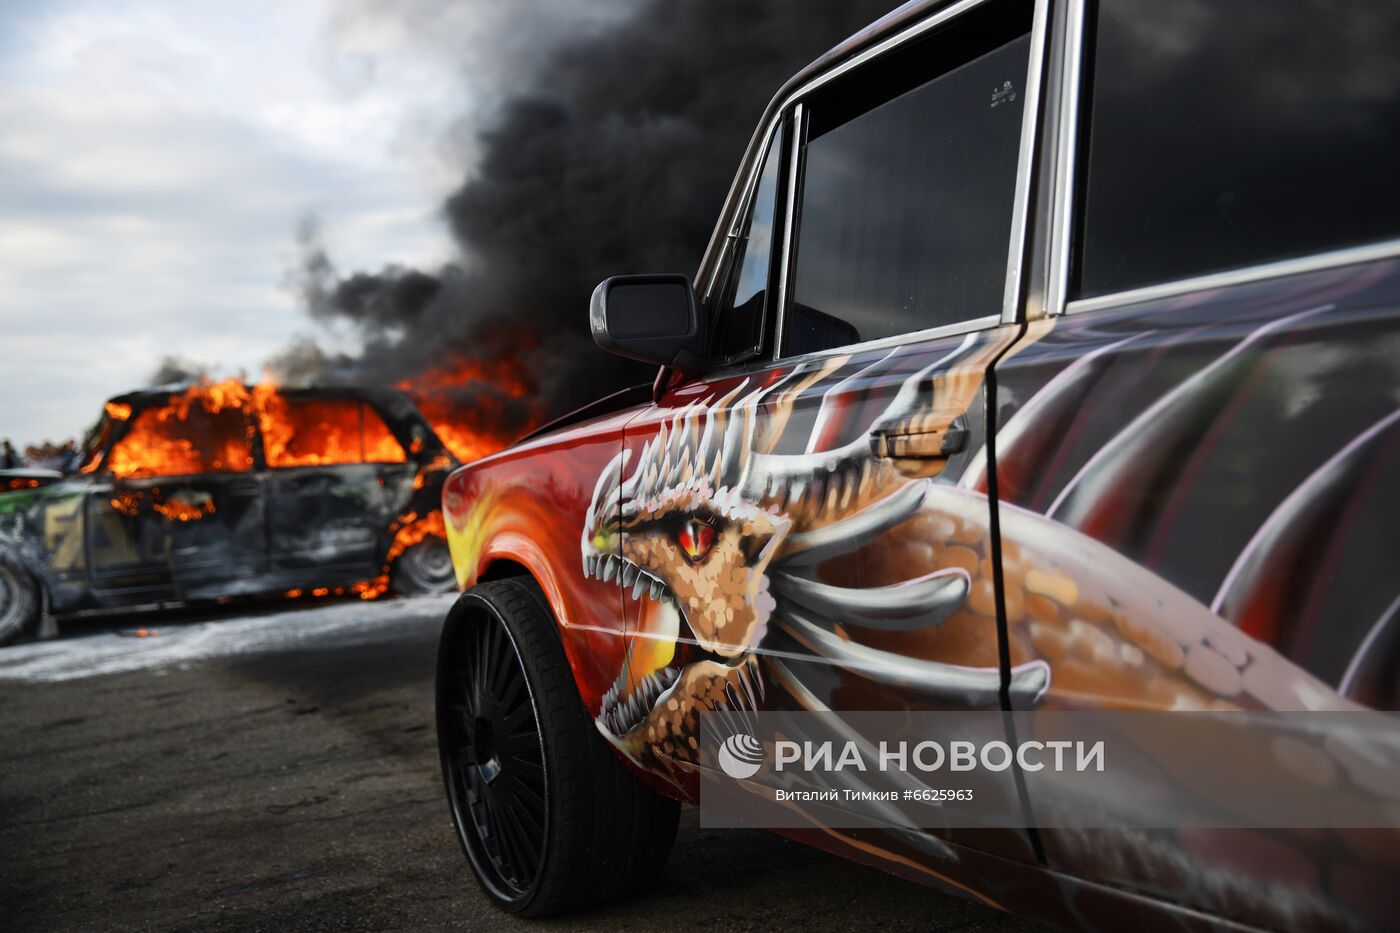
(842, 533)
(737, 549)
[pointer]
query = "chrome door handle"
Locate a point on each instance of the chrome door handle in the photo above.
(935, 439)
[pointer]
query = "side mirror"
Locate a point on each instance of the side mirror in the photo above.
(652, 318)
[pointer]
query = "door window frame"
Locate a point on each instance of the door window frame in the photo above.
(790, 106)
(780, 130)
(103, 466)
(366, 411)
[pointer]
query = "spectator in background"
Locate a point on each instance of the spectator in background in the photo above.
(45, 456)
(9, 457)
(69, 457)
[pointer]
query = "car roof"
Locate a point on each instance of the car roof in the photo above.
(395, 406)
(158, 395)
(892, 22)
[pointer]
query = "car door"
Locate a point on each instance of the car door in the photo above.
(1196, 458)
(178, 512)
(798, 537)
(329, 459)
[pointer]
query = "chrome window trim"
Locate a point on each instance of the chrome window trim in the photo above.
(894, 41)
(741, 216)
(1066, 154)
(794, 153)
(1313, 262)
(1018, 248)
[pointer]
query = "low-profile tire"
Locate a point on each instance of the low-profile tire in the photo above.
(20, 604)
(424, 568)
(549, 817)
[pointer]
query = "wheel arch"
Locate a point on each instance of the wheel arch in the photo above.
(33, 564)
(507, 564)
(502, 568)
(461, 610)
(32, 567)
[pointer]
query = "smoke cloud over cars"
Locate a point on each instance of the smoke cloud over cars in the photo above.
(611, 155)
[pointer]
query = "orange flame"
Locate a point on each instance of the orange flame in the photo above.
(408, 530)
(127, 503)
(310, 432)
(159, 443)
(482, 426)
(296, 432)
(183, 512)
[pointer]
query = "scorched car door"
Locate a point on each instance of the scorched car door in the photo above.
(328, 515)
(179, 514)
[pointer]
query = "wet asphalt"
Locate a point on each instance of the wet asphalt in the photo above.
(275, 769)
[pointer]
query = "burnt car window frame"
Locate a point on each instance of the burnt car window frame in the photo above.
(1014, 290)
(101, 463)
(1071, 96)
(365, 410)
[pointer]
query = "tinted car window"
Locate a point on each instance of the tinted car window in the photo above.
(739, 325)
(906, 205)
(312, 432)
(1223, 135)
(175, 440)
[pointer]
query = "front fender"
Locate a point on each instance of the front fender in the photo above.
(527, 506)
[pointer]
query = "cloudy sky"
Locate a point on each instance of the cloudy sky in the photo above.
(157, 155)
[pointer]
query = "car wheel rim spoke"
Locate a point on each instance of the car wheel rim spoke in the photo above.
(495, 761)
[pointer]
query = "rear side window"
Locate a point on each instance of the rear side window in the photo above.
(908, 185)
(1223, 135)
(324, 432)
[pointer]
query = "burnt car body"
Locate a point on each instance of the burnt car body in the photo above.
(22, 478)
(1045, 356)
(193, 493)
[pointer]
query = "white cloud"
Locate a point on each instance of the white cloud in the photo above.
(154, 161)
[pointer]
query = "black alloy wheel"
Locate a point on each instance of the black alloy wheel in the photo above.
(549, 817)
(496, 779)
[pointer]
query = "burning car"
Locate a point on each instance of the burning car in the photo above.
(202, 492)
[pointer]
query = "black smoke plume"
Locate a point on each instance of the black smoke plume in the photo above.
(174, 369)
(613, 157)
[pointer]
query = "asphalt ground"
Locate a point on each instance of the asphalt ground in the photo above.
(275, 769)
